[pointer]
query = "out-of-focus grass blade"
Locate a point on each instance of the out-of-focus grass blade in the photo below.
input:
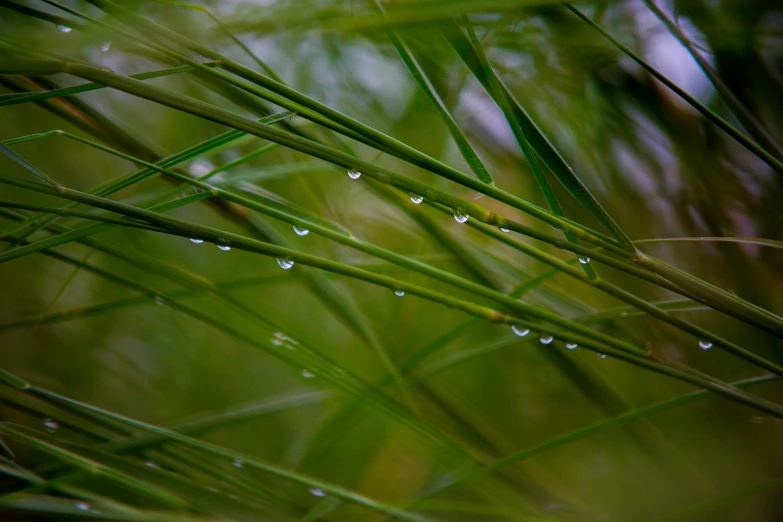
(595, 428)
(321, 509)
(424, 84)
(530, 131)
(82, 457)
(700, 510)
(75, 458)
(745, 240)
(16, 158)
(754, 127)
(15, 98)
(44, 507)
(708, 113)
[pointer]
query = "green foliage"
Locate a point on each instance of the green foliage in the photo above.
(480, 260)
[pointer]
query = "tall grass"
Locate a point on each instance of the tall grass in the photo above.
(475, 260)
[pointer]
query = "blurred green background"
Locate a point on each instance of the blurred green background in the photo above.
(658, 166)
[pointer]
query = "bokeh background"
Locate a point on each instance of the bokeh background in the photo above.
(659, 168)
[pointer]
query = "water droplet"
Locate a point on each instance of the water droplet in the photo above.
(519, 330)
(602, 355)
(224, 248)
(152, 464)
(555, 227)
(505, 229)
(238, 463)
(285, 262)
(546, 339)
(159, 300)
(318, 492)
(82, 506)
(583, 259)
(705, 345)
(354, 174)
(571, 346)
(416, 199)
(106, 46)
(307, 374)
(460, 216)
(50, 425)
(64, 29)
(301, 231)
(196, 240)
(399, 293)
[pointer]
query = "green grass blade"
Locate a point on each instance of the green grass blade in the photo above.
(726, 127)
(470, 156)
(528, 131)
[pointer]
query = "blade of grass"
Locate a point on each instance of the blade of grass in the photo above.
(528, 135)
(725, 126)
(744, 240)
(740, 111)
(470, 156)
(29, 97)
(592, 429)
(306, 106)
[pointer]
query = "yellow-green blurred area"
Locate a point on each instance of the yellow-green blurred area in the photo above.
(295, 368)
